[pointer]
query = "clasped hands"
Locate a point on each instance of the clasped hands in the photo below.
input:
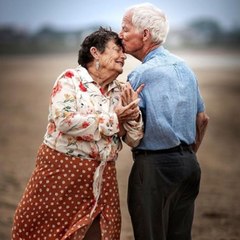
(127, 108)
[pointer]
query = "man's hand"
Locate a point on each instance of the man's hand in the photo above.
(129, 95)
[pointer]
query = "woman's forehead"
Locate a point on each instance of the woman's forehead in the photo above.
(112, 44)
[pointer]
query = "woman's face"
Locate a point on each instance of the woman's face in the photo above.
(112, 59)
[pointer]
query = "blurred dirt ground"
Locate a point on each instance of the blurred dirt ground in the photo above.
(25, 87)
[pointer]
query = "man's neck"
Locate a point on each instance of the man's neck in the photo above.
(145, 50)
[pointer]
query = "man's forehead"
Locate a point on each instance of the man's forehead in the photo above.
(127, 20)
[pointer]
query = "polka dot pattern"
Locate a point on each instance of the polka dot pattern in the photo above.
(58, 199)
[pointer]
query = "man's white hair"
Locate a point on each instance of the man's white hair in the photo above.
(148, 16)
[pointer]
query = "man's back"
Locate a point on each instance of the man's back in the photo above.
(169, 102)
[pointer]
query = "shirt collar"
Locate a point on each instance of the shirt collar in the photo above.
(84, 75)
(153, 53)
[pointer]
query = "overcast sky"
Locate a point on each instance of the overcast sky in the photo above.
(74, 14)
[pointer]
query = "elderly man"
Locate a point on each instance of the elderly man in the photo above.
(165, 177)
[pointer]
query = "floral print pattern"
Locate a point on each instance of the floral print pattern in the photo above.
(82, 121)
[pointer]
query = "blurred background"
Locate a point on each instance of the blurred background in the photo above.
(59, 26)
(39, 40)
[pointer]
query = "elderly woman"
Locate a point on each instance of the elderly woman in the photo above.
(73, 192)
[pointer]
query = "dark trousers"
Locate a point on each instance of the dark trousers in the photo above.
(161, 193)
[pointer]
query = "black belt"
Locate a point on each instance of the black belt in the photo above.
(179, 148)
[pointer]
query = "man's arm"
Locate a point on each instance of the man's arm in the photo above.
(201, 127)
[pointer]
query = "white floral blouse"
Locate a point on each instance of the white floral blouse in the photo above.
(82, 121)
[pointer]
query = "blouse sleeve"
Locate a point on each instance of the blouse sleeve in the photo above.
(134, 132)
(66, 117)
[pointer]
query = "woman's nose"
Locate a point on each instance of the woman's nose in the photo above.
(124, 56)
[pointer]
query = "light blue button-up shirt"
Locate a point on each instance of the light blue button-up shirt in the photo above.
(169, 101)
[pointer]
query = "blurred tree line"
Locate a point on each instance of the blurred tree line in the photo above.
(201, 33)
(205, 33)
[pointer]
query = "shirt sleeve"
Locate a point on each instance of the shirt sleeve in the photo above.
(67, 118)
(200, 103)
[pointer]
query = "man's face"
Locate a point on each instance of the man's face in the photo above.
(131, 38)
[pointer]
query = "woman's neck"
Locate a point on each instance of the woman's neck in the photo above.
(101, 77)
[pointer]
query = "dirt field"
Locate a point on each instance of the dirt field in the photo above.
(25, 86)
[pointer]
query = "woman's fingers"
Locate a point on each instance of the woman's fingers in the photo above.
(133, 103)
(131, 111)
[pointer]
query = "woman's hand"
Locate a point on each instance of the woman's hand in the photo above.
(127, 108)
(129, 100)
(126, 113)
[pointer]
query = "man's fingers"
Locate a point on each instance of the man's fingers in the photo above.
(127, 93)
(140, 88)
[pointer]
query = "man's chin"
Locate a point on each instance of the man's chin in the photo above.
(125, 49)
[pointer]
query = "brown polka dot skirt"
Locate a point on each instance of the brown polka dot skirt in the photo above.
(58, 200)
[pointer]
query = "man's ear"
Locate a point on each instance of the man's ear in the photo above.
(94, 52)
(146, 34)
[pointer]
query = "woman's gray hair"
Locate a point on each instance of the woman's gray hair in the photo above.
(148, 16)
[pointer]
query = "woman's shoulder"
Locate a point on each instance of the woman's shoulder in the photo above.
(78, 73)
(68, 73)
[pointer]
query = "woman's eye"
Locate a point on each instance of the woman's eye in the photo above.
(117, 49)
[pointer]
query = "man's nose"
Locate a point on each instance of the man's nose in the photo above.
(120, 35)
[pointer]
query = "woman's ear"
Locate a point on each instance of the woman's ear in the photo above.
(94, 52)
